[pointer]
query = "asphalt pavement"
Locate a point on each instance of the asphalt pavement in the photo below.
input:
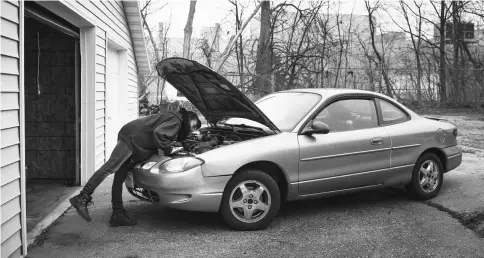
(383, 223)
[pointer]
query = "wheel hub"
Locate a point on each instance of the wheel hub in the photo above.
(250, 201)
(429, 176)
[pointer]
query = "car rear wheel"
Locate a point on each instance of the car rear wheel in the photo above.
(251, 200)
(427, 177)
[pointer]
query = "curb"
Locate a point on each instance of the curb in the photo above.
(50, 218)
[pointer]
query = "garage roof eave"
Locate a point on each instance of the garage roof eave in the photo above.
(133, 15)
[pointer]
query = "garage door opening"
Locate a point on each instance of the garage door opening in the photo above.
(52, 115)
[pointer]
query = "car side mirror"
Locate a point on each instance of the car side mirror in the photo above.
(317, 127)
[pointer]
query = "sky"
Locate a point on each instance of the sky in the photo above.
(209, 12)
(175, 12)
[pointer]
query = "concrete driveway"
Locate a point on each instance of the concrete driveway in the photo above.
(380, 223)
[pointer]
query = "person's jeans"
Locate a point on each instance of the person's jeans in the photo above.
(119, 163)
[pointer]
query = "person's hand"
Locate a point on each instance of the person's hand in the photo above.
(176, 144)
(214, 141)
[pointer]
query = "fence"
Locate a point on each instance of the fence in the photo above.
(463, 86)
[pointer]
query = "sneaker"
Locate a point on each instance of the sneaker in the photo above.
(81, 202)
(120, 217)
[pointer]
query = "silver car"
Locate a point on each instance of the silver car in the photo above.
(290, 145)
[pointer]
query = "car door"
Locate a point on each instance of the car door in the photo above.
(407, 139)
(355, 153)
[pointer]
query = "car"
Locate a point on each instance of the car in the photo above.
(290, 145)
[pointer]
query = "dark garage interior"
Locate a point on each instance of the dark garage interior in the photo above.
(51, 110)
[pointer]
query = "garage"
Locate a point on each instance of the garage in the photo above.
(61, 63)
(52, 110)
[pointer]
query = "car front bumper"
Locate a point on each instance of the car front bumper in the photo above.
(188, 190)
(454, 157)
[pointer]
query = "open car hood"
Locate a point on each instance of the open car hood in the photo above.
(214, 96)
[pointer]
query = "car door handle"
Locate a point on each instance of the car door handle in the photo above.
(377, 141)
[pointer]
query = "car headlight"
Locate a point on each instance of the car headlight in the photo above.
(180, 164)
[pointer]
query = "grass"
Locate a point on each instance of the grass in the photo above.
(469, 122)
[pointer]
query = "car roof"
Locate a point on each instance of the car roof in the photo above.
(328, 92)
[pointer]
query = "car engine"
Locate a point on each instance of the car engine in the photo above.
(210, 138)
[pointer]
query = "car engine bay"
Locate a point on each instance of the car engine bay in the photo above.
(209, 138)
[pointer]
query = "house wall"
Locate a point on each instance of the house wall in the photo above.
(11, 236)
(111, 22)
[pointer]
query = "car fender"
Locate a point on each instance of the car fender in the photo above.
(281, 149)
(438, 134)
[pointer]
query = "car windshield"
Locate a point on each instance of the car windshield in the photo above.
(284, 109)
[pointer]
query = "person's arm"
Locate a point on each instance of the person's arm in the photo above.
(165, 133)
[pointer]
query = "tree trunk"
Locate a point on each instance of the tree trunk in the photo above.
(188, 29)
(340, 41)
(263, 66)
(416, 44)
(240, 52)
(419, 77)
(455, 72)
(152, 39)
(442, 79)
(144, 14)
(381, 60)
(322, 58)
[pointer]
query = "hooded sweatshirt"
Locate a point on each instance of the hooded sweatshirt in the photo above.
(146, 135)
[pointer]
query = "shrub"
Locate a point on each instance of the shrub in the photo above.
(146, 109)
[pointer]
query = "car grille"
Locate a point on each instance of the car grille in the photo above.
(144, 194)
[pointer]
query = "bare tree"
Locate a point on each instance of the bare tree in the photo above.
(306, 47)
(381, 62)
(146, 11)
(264, 58)
(233, 40)
(416, 39)
(188, 29)
(442, 64)
(207, 45)
(239, 50)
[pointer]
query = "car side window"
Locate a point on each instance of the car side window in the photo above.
(349, 114)
(390, 114)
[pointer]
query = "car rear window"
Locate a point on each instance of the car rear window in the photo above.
(391, 114)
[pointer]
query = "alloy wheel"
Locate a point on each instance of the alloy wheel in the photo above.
(429, 176)
(250, 201)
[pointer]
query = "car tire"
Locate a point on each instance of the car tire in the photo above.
(427, 177)
(253, 207)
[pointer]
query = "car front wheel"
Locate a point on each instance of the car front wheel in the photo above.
(427, 177)
(251, 200)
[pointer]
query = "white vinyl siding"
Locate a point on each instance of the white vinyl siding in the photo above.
(100, 96)
(11, 241)
(110, 18)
